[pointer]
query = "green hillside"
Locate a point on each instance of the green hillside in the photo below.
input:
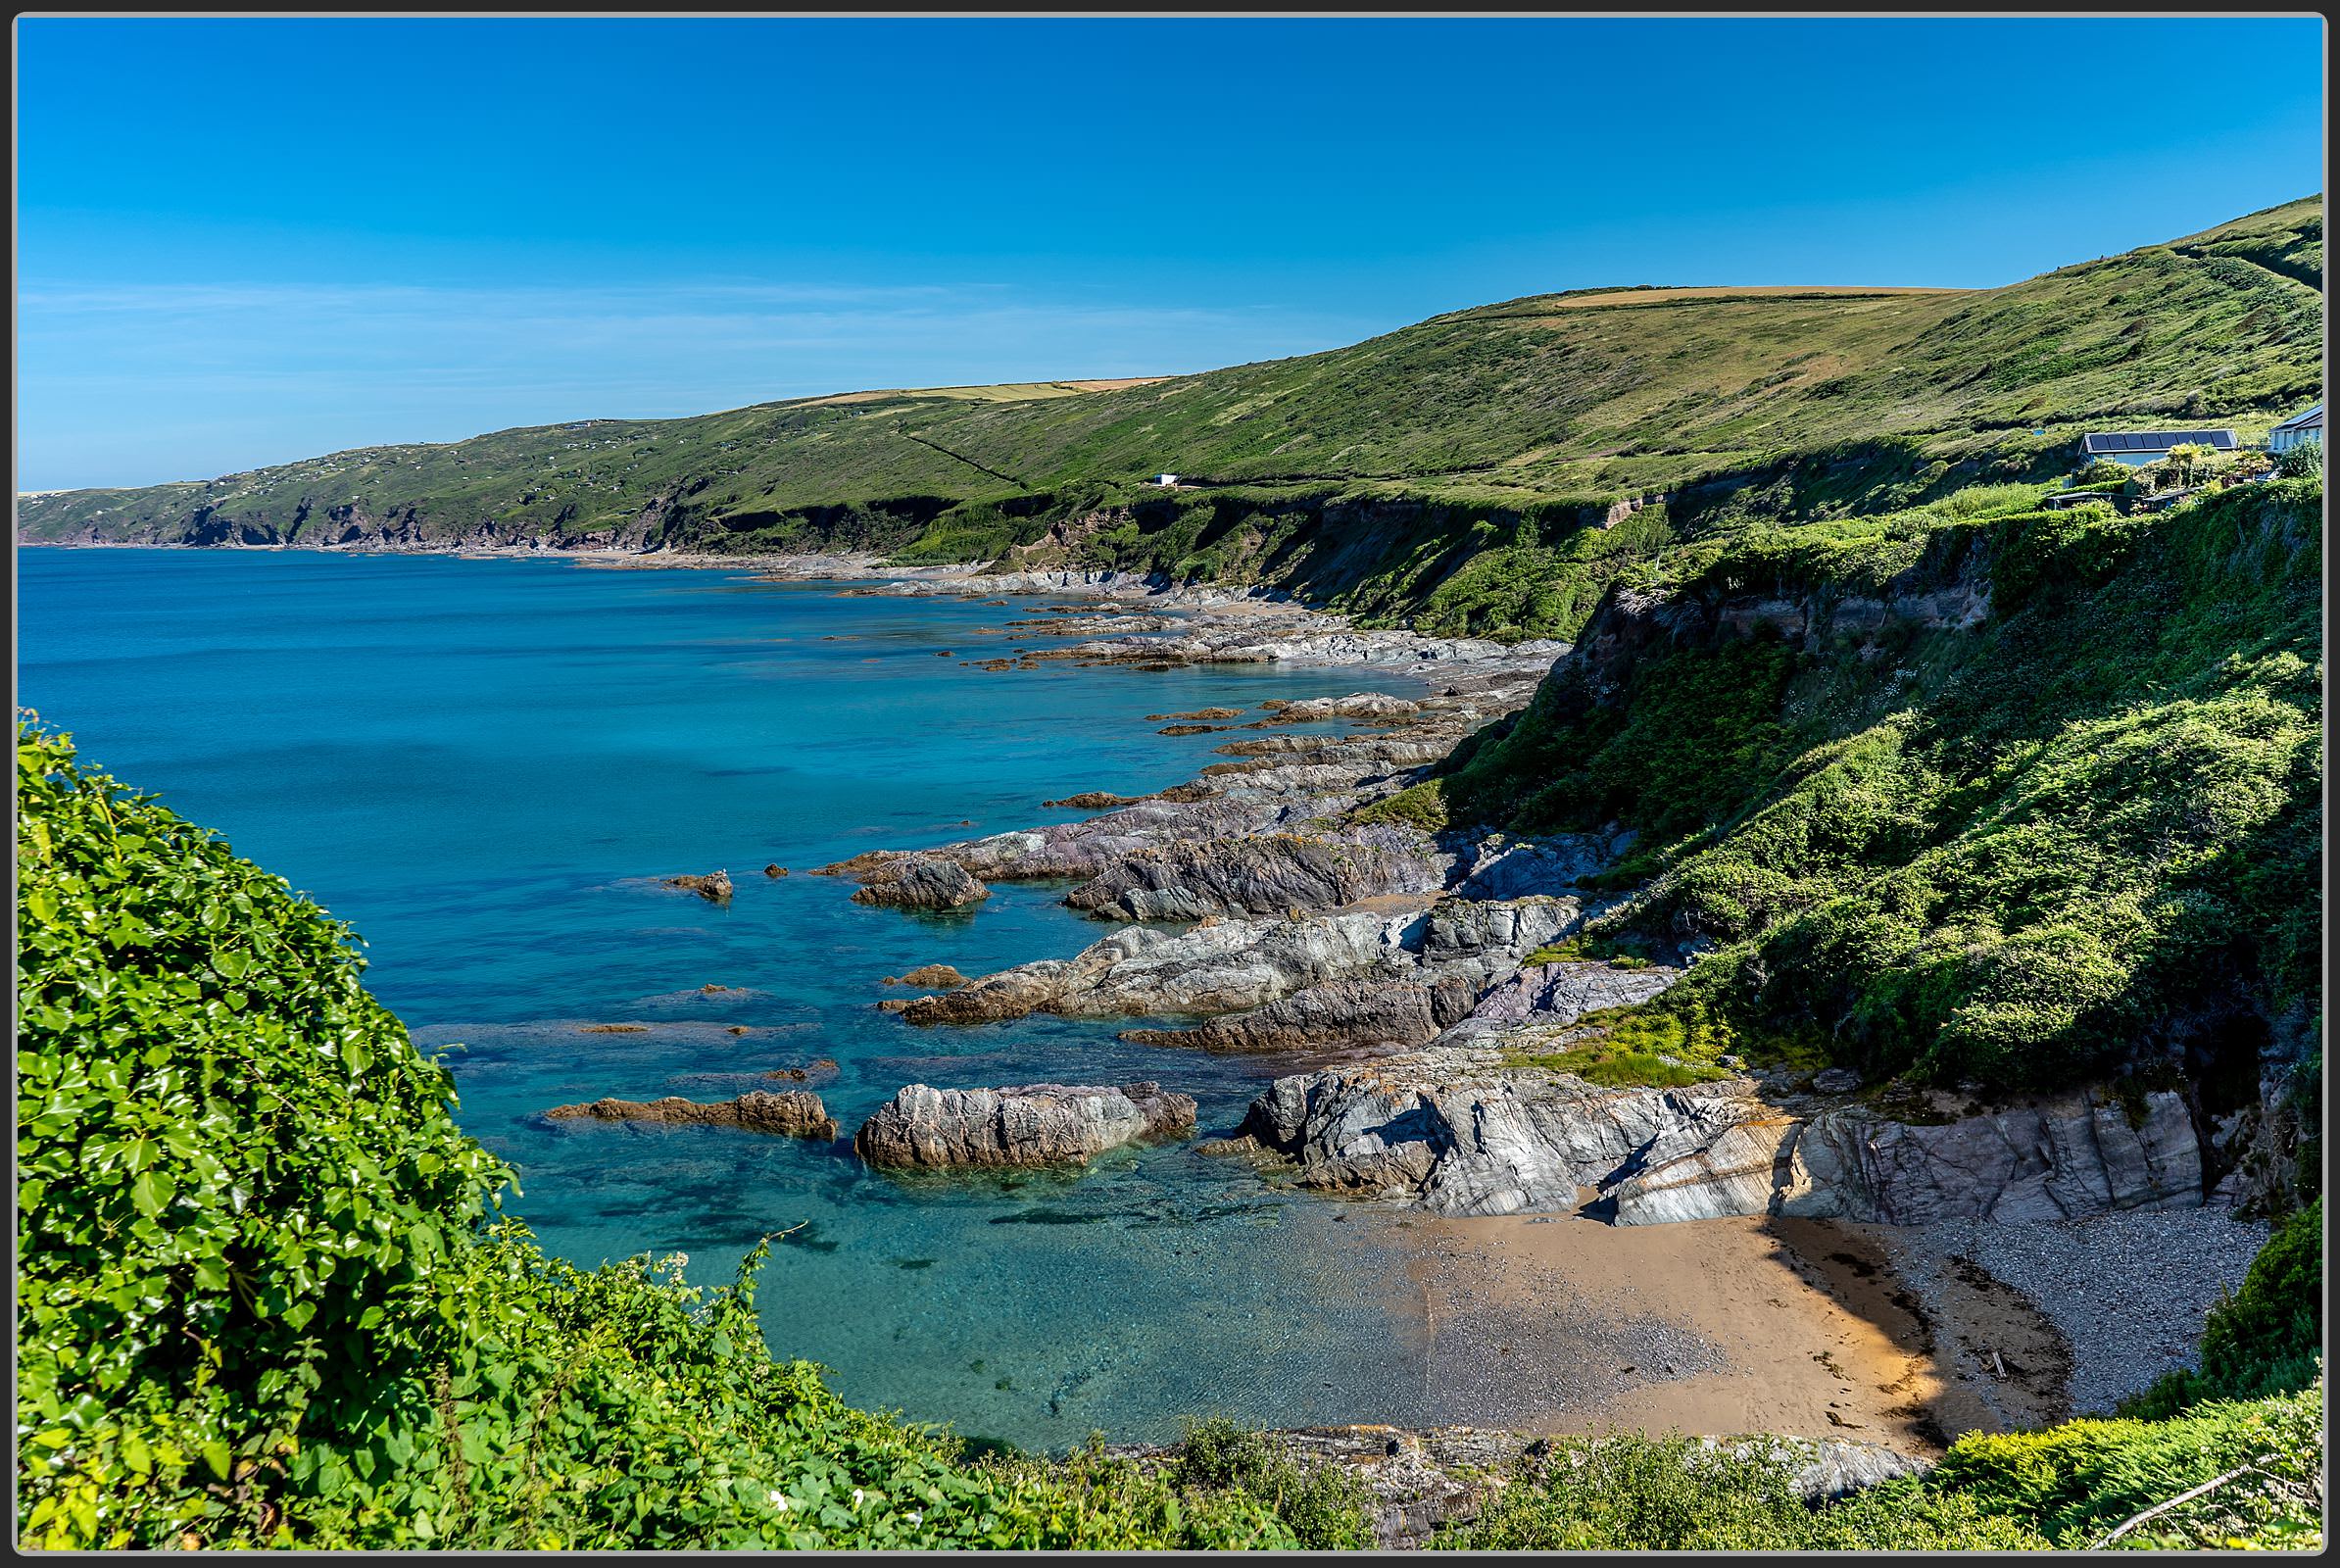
(2006, 801)
(1369, 476)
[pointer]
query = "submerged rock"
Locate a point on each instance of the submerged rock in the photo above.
(790, 1113)
(1031, 1124)
(928, 977)
(925, 882)
(716, 886)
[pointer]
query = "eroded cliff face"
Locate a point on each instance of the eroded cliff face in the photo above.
(1453, 1130)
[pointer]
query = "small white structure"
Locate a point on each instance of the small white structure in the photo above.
(1166, 480)
(2300, 430)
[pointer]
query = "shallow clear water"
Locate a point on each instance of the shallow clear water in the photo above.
(476, 762)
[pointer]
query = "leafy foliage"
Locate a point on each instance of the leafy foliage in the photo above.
(2066, 1488)
(2081, 1480)
(1631, 1493)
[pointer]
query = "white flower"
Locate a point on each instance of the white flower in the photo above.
(779, 1500)
(856, 1496)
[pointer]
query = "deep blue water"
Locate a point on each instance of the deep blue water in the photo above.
(479, 763)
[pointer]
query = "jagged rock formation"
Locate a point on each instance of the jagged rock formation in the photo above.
(714, 887)
(1031, 1124)
(923, 882)
(1218, 967)
(1562, 992)
(1451, 1129)
(1360, 1012)
(790, 1112)
(1186, 879)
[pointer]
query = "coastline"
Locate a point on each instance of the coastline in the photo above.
(1819, 1329)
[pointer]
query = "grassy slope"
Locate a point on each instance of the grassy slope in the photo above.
(2080, 833)
(1538, 411)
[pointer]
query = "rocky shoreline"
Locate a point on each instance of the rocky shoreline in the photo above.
(1419, 984)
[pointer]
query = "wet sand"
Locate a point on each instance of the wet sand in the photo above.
(1563, 1324)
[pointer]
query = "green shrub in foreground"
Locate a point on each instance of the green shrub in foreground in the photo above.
(267, 1301)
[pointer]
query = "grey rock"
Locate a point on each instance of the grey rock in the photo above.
(1562, 992)
(1450, 1129)
(1357, 1012)
(1221, 965)
(925, 882)
(1260, 874)
(1835, 1080)
(1031, 1124)
(2061, 1157)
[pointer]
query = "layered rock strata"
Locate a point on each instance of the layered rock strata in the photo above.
(1031, 1124)
(1451, 1129)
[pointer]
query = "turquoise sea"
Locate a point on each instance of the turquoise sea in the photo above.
(479, 762)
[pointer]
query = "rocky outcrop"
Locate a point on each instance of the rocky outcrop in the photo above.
(923, 882)
(1488, 939)
(928, 977)
(1357, 704)
(1219, 966)
(714, 887)
(1187, 879)
(790, 1112)
(1564, 992)
(1363, 1013)
(1505, 1142)
(1031, 1124)
(2059, 1158)
(1451, 1129)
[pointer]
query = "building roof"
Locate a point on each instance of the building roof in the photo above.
(2307, 419)
(2156, 440)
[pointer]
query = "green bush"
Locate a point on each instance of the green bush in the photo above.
(239, 1186)
(2081, 1480)
(1326, 1506)
(1631, 1494)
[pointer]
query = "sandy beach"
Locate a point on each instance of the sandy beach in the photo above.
(1898, 1336)
(1716, 1327)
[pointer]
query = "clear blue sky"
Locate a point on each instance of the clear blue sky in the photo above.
(246, 241)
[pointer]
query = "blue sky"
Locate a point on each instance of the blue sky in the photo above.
(242, 241)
